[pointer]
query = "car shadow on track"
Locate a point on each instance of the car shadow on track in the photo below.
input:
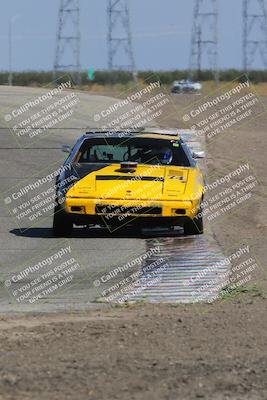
(91, 233)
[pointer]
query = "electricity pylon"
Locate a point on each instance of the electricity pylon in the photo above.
(68, 39)
(254, 32)
(204, 40)
(119, 38)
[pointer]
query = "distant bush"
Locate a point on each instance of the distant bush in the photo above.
(28, 78)
(44, 78)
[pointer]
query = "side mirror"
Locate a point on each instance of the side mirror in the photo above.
(199, 154)
(66, 148)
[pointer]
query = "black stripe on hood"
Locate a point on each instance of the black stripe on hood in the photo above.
(76, 171)
(128, 178)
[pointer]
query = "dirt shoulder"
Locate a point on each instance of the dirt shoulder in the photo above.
(142, 352)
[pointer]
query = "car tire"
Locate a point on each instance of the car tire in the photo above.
(136, 231)
(195, 226)
(62, 226)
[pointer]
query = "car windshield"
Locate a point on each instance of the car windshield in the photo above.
(140, 150)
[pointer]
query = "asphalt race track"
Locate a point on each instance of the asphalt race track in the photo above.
(17, 163)
(96, 251)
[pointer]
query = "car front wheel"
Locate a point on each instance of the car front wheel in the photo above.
(62, 226)
(195, 226)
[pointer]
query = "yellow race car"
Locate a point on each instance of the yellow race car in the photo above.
(141, 178)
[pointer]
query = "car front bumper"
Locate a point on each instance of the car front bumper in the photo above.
(113, 211)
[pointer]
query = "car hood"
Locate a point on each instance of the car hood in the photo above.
(146, 182)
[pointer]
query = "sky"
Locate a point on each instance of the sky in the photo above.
(161, 31)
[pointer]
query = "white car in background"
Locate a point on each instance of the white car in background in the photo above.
(186, 86)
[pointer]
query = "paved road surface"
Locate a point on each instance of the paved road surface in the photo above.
(18, 163)
(26, 246)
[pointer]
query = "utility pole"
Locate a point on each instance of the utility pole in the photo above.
(199, 54)
(10, 75)
(10, 48)
(119, 38)
(68, 39)
(254, 32)
(204, 40)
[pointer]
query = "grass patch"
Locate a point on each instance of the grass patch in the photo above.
(229, 292)
(130, 304)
